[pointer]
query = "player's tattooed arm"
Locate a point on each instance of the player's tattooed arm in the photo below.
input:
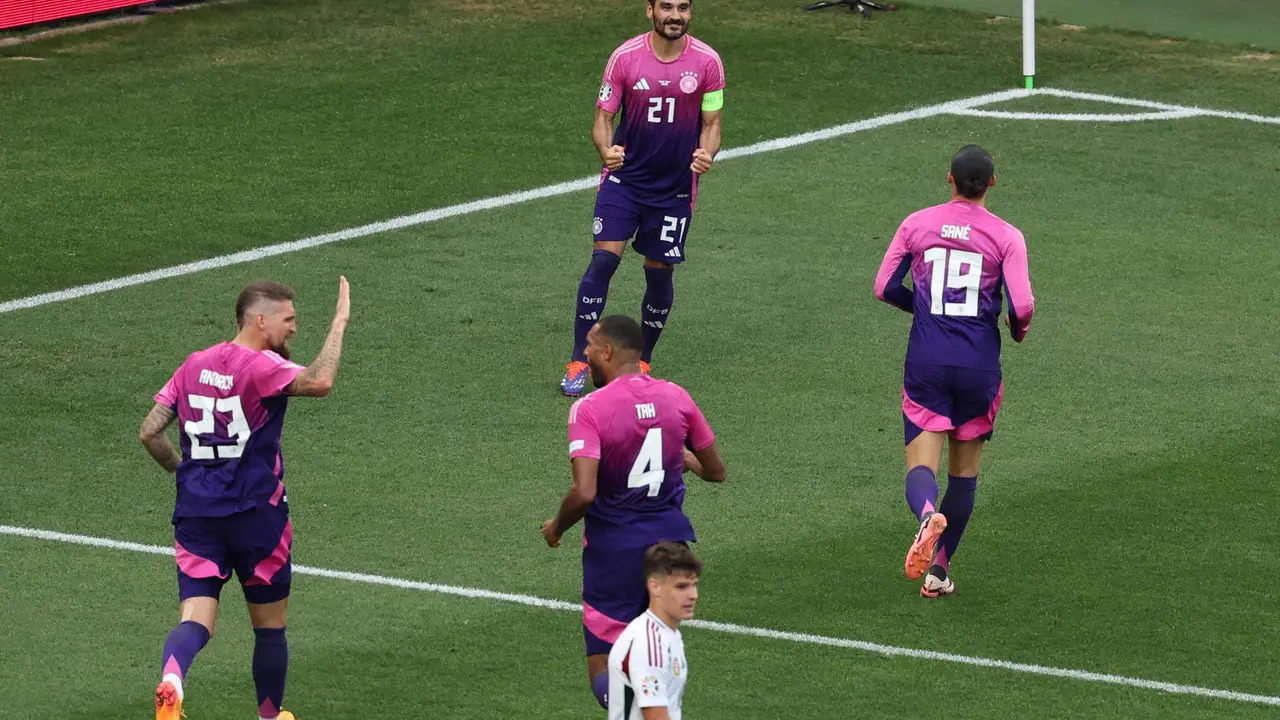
(153, 438)
(708, 142)
(317, 379)
(576, 502)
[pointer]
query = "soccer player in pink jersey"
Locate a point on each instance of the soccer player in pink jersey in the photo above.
(669, 89)
(231, 511)
(630, 443)
(960, 256)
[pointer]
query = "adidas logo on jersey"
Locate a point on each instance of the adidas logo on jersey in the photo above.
(590, 316)
(642, 85)
(673, 252)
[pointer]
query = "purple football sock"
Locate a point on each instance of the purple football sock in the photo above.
(181, 646)
(270, 665)
(592, 292)
(922, 491)
(600, 686)
(957, 506)
(659, 296)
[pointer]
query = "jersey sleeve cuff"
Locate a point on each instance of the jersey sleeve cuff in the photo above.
(582, 448)
(699, 447)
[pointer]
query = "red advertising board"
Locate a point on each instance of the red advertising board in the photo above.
(25, 12)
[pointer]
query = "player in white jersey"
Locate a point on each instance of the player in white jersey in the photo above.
(647, 667)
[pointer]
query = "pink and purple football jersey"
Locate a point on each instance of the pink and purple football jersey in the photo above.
(660, 105)
(637, 427)
(960, 256)
(230, 406)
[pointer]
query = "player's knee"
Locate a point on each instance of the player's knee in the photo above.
(209, 627)
(265, 616)
(963, 466)
(271, 623)
(614, 246)
(658, 265)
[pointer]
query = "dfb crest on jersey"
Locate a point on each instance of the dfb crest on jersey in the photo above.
(606, 92)
(688, 81)
(597, 226)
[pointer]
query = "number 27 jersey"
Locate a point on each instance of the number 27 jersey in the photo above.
(637, 427)
(230, 406)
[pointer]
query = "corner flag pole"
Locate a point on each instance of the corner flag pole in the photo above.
(1029, 43)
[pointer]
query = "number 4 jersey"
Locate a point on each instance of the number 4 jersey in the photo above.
(637, 427)
(959, 255)
(230, 406)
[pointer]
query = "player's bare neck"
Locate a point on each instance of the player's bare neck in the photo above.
(251, 340)
(624, 370)
(666, 50)
(668, 620)
(980, 202)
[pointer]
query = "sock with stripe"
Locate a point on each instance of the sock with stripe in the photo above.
(922, 491)
(592, 292)
(659, 296)
(180, 649)
(270, 666)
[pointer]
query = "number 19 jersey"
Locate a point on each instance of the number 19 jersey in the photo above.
(960, 256)
(637, 427)
(230, 406)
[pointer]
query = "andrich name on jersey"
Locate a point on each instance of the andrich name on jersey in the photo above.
(222, 382)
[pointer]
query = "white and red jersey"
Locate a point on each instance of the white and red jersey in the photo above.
(647, 668)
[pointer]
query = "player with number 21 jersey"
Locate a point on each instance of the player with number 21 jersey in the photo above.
(665, 88)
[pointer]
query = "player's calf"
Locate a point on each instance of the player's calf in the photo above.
(655, 310)
(593, 291)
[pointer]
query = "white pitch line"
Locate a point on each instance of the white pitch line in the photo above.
(489, 203)
(805, 638)
(1079, 117)
(963, 106)
(1115, 100)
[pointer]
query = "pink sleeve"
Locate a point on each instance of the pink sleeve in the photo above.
(613, 83)
(700, 434)
(272, 374)
(1017, 282)
(893, 269)
(584, 439)
(715, 73)
(168, 395)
